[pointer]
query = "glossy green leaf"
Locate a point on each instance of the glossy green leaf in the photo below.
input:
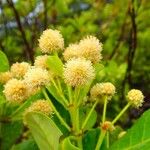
(44, 131)
(55, 64)
(67, 145)
(4, 64)
(138, 137)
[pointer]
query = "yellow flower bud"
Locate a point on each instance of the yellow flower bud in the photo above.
(41, 61)
(40, 106)
(90, 48)
(51, 41)
(135, 97)
(18, 70)
(72, 51)
(78, 72)
(15, 91)
(35, 78)
(5, 76)
(101, 89)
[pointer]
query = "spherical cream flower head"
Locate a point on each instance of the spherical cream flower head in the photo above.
(5, 76)
(72, 51)
(91, 48)
(51, 41)
(18, 70)
(35, 78)
(40, 106)
(15, 91)
(101, 89)
(78, 72)
(41, 61)
(135, 97)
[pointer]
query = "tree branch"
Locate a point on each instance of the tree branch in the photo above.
(29, 51)
(132, 46)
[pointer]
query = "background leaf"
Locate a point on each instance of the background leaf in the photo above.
(4, 64)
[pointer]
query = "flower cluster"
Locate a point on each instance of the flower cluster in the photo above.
(35, 78)
(72, 51)
(18, 70)
(5, 76)
(101, 89)
(51, 41)
(78, 72)
(41, 61)
(40, 105)
(74, 87)
(89, 48)
(135, 97)
(15, 91)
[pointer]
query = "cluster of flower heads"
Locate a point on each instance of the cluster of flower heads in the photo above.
(135, 97)
(89, 48)
(51, 41)
(102, 89)
(40, 105)
(78, 72)
(24, 79)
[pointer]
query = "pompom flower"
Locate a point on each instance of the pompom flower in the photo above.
(91, 48)
(40, 106)
(101, 89)
(41, 61)
(15, 91)
(5, 76)
(18, 70)
(35, 78)
(51, 41)
(78, 72)
(72, 51)
(135, 97)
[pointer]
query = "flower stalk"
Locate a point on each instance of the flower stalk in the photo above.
(121, 113)
(55, 110)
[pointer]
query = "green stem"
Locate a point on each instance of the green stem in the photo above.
(107, 134)
(54, 109)
(121, 113)
(74, 113)
(60, 91)
(104, 109)
(89, 114)
(100, 139)
(76, 94)
(80, 142)
(70, 93)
